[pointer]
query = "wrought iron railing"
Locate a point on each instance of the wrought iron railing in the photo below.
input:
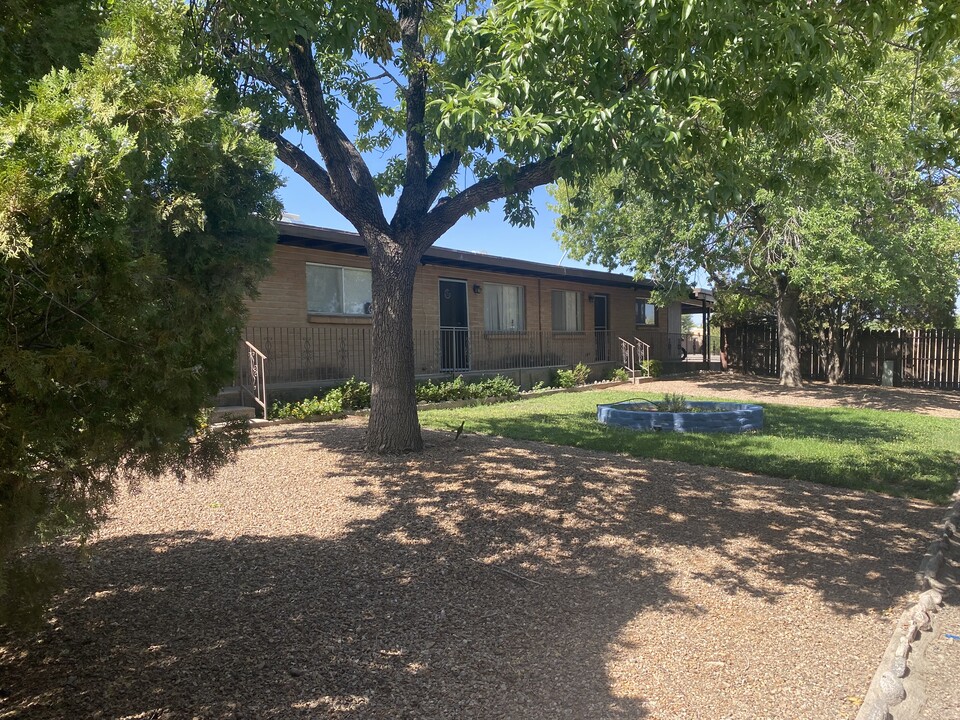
(628, 357)
(635, 357)
(643, 356)
(325, 353)
(254, 380)
(454, 349)
(602, 338)
(311, 354)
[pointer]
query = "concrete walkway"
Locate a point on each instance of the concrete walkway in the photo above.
(936, 668)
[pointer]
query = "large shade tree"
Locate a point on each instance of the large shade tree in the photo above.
(135, 221)
(855, 222)
(521, 92)
(41, 35)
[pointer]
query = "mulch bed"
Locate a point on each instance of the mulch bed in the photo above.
(485, 578)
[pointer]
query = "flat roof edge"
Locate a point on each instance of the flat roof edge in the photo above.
(320, 238)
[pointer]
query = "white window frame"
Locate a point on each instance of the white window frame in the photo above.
(578, 321)
(521, 325)
(656, 312)
(341, 268)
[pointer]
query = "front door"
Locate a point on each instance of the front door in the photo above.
(454, 327)
(601, 326)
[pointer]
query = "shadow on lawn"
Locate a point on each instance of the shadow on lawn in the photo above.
(871, 460)
(852, 396)
(405, 616)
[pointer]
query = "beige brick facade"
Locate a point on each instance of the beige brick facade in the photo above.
(304, 347)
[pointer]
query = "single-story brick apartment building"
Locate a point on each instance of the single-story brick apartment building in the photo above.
(474, 314)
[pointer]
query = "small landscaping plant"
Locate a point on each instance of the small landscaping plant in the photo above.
(571, 378)
(653, 368)
(674, 402)
(618, 374)
(330, 404)
(355, 395)
(458, 389)
(498, 386)
(352, 395)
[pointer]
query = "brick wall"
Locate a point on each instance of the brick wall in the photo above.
(322, 344)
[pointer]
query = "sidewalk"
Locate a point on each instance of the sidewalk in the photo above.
(928, 637)
(936, 668)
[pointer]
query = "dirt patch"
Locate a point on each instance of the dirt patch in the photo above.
(485, 578)
(765, 390)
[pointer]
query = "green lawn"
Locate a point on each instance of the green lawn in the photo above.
(897, 453)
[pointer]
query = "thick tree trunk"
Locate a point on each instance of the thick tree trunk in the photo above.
(788, 301)
(823, 335)
(835, 366)
(837, 344)
(394, 426)
(830, 351)
(846, 347)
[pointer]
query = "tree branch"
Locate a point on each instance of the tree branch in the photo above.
(304, 166)
(266, 72)
(274, 76)
(413, 199)
(442, 172)
(386, 74)
(448, 210)
(358, 199)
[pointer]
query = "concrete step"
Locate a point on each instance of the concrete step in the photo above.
(228, 397)
(229, 412)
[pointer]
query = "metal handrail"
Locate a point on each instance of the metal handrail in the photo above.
(320, 354)
(643, 356)
(257, 365)
(628, 355)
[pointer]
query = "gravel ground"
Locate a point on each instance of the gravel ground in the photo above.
(485, 578)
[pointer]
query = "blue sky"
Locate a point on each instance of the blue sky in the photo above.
(486, 232)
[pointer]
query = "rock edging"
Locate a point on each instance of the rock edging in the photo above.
(887, 690)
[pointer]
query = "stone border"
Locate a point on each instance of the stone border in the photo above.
(712, 417)
(887, 689)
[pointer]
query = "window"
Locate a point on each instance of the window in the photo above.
(567, 311)
(502, 308)
(333, 290)
(646, 313)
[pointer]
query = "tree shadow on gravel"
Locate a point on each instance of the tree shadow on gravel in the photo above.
(495, 581)
(845, 545)
(853, 452)
(181, 626)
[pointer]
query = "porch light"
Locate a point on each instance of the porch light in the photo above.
(477, 289)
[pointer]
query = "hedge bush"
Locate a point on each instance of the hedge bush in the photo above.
(654, 368)
(458, 389)
(355, 395)
(618, 374)
(570, 378)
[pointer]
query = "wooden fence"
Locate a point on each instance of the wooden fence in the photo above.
(912, 358)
